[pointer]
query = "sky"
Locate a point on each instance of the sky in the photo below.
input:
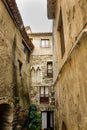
(34, 14)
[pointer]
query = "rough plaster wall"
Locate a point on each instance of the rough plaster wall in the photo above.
(6, 41)
(10, 79)
(71, 87)
(71, 91)
(7, 37)
(74, 19)
(23, 80)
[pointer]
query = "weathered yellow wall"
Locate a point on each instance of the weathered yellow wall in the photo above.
(6, 40)
(70, 78)
(13, 87)
(71, 91)
(74, 20)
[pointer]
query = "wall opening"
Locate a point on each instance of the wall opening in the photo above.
(6, 117)
(47, 120)
(61, 31)
(63, 126)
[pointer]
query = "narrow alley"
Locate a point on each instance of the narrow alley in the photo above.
(43, 80)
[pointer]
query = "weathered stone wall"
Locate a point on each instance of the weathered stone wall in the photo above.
(14, 87)
(70, 70)
(39, 58)
(41, 62)
(44, 80)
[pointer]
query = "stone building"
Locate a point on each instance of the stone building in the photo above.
(70, 62)
(15, 49)
(41, 89)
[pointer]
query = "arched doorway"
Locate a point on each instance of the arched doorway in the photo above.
(63, 126)
(6, 117)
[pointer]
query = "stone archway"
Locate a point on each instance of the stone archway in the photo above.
(6, 117)
(63, 126)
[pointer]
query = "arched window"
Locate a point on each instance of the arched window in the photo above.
(33, 75)
(50, 69)
(38, 75)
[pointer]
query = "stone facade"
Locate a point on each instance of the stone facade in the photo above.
(14, 68)
(70, 63)
(40, 56)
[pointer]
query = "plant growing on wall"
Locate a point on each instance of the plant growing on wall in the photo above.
(34, 118)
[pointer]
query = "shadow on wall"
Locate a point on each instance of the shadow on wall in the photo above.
(63, 126)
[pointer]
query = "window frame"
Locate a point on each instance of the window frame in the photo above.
(44, 98)
(61, 32)
(20, 67)
(46, 43)
(50, 75)
(26, 51)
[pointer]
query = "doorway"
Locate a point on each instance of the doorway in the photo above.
(48, 120)
(6, 117)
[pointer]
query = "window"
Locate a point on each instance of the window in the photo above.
(26, 51)
(23, 47)
(44, 98)
(61, 31)
(20, 67)
(63, 126)
(50, 69)
(27, 55)
(33, 78)
(45, 43)
(38, 75)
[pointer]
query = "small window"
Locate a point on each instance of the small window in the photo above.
(23, 47)
(50, 69)
(33, 78)
(26, 51)
(61, 31)
(27, 55)
(20, 67)
(38, 75)
(44, 97)
(45, 43)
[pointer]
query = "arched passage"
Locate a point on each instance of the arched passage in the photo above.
(6, 117)
(63, 126)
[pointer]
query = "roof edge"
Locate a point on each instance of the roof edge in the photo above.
(16, 16)
(41, 34)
